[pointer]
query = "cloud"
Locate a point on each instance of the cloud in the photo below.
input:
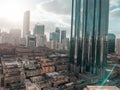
(115, 13)
(51, 13)
(114, 3)
(50, 18)
(57, 6)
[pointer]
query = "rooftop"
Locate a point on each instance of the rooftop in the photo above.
(102, 88)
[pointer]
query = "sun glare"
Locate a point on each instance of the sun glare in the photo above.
(12, 9)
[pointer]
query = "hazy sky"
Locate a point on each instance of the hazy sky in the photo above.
(52, 13)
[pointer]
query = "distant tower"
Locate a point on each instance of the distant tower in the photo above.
(111, 43)
(39, 29)
(31, 41)
(63, 35)
(58, 34)
(26, 23)
(54, 36)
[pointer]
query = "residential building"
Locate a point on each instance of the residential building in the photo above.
(65, 43)
(5, 37)
(41, 40)
(15, 35)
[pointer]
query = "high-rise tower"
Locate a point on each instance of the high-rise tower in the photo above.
(39, 29)
(88, 49)
(26, 23)
(58, 33)
(63, 35)
(111, 43)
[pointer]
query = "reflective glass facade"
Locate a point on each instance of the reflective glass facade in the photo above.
(63, 35)
(39, 29)
(58, 31)
(89, 35)
(54, 36)
(111, 43)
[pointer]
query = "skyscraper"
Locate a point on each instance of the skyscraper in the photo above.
(58, 32)
(88, 48)
(39, 29)
(54, 36)
(26, 23)
(111, 43)
(63, 35)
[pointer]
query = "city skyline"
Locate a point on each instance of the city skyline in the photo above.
(46, 12)
(59, 44)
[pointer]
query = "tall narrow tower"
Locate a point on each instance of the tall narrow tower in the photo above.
(63, 34)
(26, 23)
(58, 33)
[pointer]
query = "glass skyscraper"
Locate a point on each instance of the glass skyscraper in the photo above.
(58, 32)
(63, 35)
(88, 47)
(54, 36)
(111, 43)
(39, 29)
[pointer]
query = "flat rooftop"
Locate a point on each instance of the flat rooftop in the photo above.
(102, 88)
(12, 63)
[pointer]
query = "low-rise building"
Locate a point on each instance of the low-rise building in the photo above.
(102, 88)
(47, 66)
(13, 74)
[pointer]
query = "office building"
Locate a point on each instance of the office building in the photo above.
(58, 34)
(31, 41)
(5, 37)
(53, 45)
(54, 36)
(65, 43)
(23, 41)
(111, 43)
(60, 46)
(15, 35)
(88, 43)
(63, 35)
(41, 40)
(39, 29)
(26, 24)
(118, 47)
